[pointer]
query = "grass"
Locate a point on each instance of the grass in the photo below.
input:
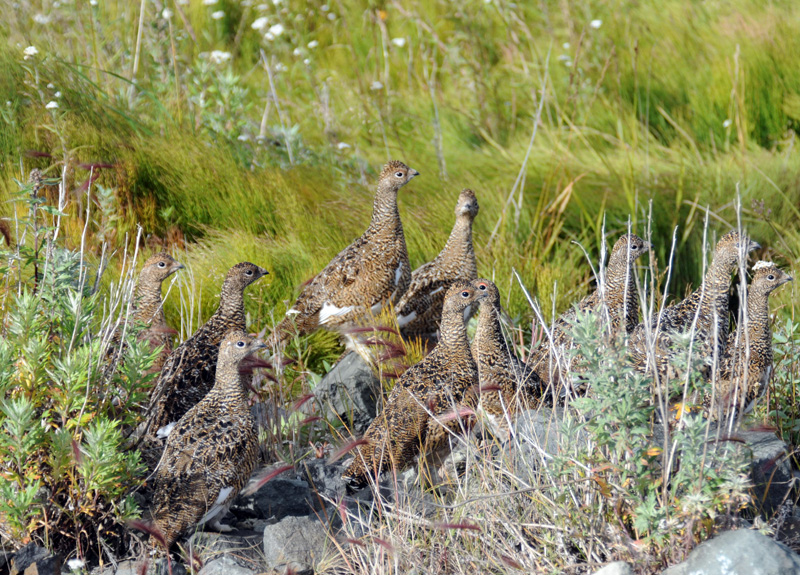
(267, 150)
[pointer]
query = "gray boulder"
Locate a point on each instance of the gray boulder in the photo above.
(742, 552)
(224, 566)
(770, 471)
(349, 392)
(615, 568)
(240, 548)
(294, 543)
(281, 497)
(35, 559)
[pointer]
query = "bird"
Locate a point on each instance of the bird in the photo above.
(365, 276)
(211, 452)
(419, 311)
(705, 311)
(188, 372)
(148, 311)
(424, 405)
(746, 365)
(621, 302)
(505, 382)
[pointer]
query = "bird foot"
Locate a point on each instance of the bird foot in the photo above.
(221, 527)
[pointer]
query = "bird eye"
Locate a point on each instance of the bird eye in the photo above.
(162, 264)
(482, 287)
(465, 293)
(239, 344)
(249, 272)
(770, 277)
(399, 174)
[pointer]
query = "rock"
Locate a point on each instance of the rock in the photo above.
(615, 568)
(296, 543)
(770, 471)
(349, 392)
(35, 560)
(224, 566)
(324, 477)
(242, 549)
(742, 552)
(533, 430)
(278, 498)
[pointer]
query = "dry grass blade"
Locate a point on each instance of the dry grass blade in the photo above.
(257, 484)
(150, 529)
(465, 526)
(346, 448)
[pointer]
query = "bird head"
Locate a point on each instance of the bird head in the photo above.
(460, 298)
(237, 345)
(467, 204)
(160, 266)
(630, 247)
(733, 243)
(243, 274)
(492, 293)
(395, 175)
(767, 277)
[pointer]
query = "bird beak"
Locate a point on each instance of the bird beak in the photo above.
(647, 246)
(264, 272)
(413, 173)
(789, 279)
(753, 246)
(258, 344)
(178, 266)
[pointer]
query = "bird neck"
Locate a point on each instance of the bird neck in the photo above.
(384, 209)
(758, 324)
(718, 277)
(453, 330)
(620, 280)
(459, 244)
(489, 338)
(231, 304)
(229, 383)
(147, 302)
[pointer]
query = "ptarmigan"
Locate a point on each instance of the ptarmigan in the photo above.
(746, 366)
(422, 409)
(707, 306)
(621, 302)
(211, 452)
(365, 276)
(148, 309)
(506, 383)
(419, 311)
(188, 373)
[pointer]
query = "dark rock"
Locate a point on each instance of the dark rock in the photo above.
(770, 471)
(742, 552)
(296, 543)
(324, 477)
(615, 568)
(35, 560)
(278, 498)
(349, 392)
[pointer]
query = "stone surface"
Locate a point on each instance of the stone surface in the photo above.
(323, 477)
(224, 566)
(241, 548)
(35, 560)
(742, 552)
(770, 471)
(349, 392)
(615, 568)
(296, 543)
(284, 496)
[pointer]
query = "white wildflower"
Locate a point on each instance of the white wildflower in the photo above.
(51, 86)
(399, 42)
(325, 7)
(313, 44)
(166, 13)
(269, 37)
(280, 67)
(331, 16)
(596, 24)
(376, 86)
(565, 45)
(183, 2)
(262, 7)
(52, 105)
(342, 145)
(298, 51)
(219, 57)
(726, 123)
(306, 61)
(57, 94)
(218, 15)
(260, 23)
(243, 138)
(277, 2)
(276, 30)
(93, 2)
(41, 19)
(30, 52)
(210, 2)
(75, 564)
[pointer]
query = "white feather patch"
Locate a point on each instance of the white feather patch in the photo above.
(403, 320)
(329, 311)
(219, 507)
(397, 273)
(164, 432)
(763, 264)
(437, 290)
(292, 312)
(467, 313)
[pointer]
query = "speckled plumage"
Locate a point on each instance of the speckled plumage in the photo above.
(211, 452)
(188, 373)
(709, 304)
(419, 311)
(620, 297)
(410, 423)
(367, 274)
(505, 382)
(746, 365)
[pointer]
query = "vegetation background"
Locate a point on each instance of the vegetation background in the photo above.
(236, 130)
